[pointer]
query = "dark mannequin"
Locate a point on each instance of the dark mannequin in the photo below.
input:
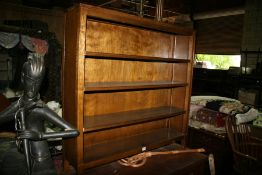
(29, 113)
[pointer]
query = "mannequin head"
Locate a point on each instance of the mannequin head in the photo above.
(32, 75)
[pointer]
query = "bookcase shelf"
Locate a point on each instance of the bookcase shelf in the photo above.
(97, 55)
(93, 123)
(121, 148)
(114, 86)
(126, 84)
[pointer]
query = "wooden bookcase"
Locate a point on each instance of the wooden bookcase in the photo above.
(126, 84)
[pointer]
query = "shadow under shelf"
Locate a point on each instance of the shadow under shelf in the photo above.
(117, 86)
(98, 55)
(100, 122)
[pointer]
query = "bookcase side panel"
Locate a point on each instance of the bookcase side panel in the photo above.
(72, 147)
(181, 47)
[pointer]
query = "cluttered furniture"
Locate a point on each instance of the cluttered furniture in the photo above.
(250, 79)
(247, 149)
(211, 81)
(126, 84)
(243, 83)
(207, 126)
(215, 144)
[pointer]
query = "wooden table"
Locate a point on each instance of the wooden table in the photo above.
(214, 143)
(182, 164)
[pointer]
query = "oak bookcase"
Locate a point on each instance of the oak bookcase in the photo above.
(126, 84)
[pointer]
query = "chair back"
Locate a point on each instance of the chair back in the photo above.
(247, 153)
(238, 135)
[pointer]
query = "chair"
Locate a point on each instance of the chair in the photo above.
(247, 150)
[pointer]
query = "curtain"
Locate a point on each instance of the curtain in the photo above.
(10, 40)
(221, 35)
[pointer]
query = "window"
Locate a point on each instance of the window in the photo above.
(217, 61)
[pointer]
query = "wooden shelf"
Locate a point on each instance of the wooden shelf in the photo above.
(100, 122)
(133, 57)
(113, 86)
(128, 146)
(121, 76)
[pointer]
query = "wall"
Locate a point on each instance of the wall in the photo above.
(252, 36)
(252, 41)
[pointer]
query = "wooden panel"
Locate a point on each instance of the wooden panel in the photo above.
(126, 71)
(92, 138)
(127, 146)
(130, 117)
(122, 71)
(108, 38)
(181, 123)
(177, 69)
(181, 50)
(178, 99)
(176, 122)
(105, 103)
(69, 85)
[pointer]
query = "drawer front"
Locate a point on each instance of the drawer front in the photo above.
(116, 39)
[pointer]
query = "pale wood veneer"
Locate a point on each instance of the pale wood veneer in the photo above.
(126, 84)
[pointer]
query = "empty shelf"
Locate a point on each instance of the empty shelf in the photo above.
(98, 55)
(99, 122)
(120, 148)
(113, 86)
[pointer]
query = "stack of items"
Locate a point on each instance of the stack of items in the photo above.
(209, 112)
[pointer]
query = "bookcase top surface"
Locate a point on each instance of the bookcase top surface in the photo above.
(95, 12)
